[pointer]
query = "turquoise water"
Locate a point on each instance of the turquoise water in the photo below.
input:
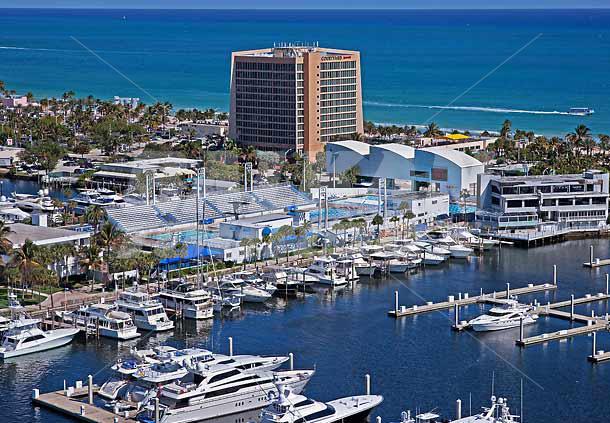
(413, 61)
(188, 236)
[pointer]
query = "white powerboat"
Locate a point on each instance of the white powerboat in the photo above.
(147, 312)
(432, 259)
(508, 315)
(192, 302)
(24, 336)
(294, 408)
(30, 202)
(219, 390)
(324, 268)
(237, 287)
(434, 249)
(497, 413)
(460, 251)
(104, 318)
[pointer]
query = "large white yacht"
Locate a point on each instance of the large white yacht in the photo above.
(192, 302)
(147, 312)
(508, 315)
(24, 336)
(324, 268)
(104, 317)
(219, 390)
(30, 202)
(294, 408)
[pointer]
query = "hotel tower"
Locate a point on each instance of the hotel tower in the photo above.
(295, 97)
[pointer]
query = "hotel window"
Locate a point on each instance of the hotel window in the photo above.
(548, 202)
(511, 204)
(565, 202)
(545, 189)
(599, 200)
(526, 190)
(509, 190)
(582, 201)
(531, 203)
(577, 188)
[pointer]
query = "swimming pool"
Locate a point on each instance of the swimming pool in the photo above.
(455, 208)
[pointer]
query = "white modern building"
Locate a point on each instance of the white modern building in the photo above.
(433, 169)
(576, 202)
(254, 227)
(426, 206)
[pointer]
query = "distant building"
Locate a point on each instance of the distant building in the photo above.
(294, 98)
(131, 102)
(577, 202)
(220, 128)
(426, 206)
(13, 101)
(254, 227)
(432, 169)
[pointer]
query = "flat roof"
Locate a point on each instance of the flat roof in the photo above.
(545, 179)
(42, 235)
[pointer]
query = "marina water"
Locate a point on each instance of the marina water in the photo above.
(415, 362)
(480, 67)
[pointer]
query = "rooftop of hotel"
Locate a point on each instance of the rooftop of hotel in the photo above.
(20, 232)
(291, 50)
(547, 179)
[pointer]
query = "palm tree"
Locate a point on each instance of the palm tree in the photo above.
(604, 143)
(432, 130)
(6, 246)
(94, 215)
(395, 220)
(408, 215)
(505, 131)
(26, 259)
(377, 221)
(90, 260)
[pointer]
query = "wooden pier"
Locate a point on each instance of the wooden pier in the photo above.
(77, 407)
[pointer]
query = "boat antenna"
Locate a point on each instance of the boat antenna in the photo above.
(521, 416)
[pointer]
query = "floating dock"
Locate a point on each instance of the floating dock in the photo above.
(77, 407)
(466, 299)
(594, 261)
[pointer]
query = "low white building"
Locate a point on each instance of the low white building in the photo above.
(434, 168)
(254, 227)
(426, 206)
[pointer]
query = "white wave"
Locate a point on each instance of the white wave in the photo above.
(468, 108)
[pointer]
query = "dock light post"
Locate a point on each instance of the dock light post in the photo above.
(367, 383)
(230, 346)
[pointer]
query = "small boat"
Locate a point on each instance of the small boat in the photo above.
(460, 251)
(581, 111)
(505, 316)
(324, 268)
(432, 259)
(294, 408)
(497, 413)
(237, 287)
(24, 336)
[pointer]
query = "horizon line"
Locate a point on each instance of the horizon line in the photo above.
(309, 8)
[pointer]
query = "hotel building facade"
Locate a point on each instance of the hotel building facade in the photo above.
(295, 98)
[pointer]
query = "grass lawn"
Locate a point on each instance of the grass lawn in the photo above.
(29, 298)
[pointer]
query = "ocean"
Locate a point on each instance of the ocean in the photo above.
(460, 69)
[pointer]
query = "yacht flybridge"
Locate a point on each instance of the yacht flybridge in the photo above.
(508, 314)
(213, 391)
(324, 268)
(497, 413)
(104, 317)
(24, 336)
(290, 407)
(147, 312)
(186, 298)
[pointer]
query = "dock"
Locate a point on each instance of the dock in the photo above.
(77, 407)
(595, 261)
(466, 299)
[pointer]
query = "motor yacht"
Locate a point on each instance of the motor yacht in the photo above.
(497, 413)
(284, 282)
(324, 268)
(104, 318)
(431, 248)
(508, 315)
(185, 298)
(30, 202)
(459, 251)
(237, 287)
(98, 197)
(290, 407)
(218, 390)
(346, 268)
(147, 312)
(402, 263)
(24, 336)
(432, 259)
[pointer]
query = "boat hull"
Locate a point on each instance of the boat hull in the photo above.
(501, 324)
(60, 338)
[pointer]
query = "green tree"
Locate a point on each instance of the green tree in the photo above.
(378, 221)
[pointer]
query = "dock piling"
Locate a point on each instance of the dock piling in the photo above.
(456, 315)
(591, 255)
(378, 419)
(396, 301)
(367, 383)
(607, 283)
(458, 409)
(291, 355)
(594, 344)
(157, 419)
(555, 274)
(35, 393)
(521, 329)
(230, 346)
(82, 410)
(90, 388)
(572, 307)
(507, 290)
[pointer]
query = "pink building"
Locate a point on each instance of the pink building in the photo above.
(13, 101)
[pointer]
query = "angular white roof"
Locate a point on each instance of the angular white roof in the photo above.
(359, 147)
(401, 149)
(457, 157)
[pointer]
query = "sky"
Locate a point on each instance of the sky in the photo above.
(309, 4)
